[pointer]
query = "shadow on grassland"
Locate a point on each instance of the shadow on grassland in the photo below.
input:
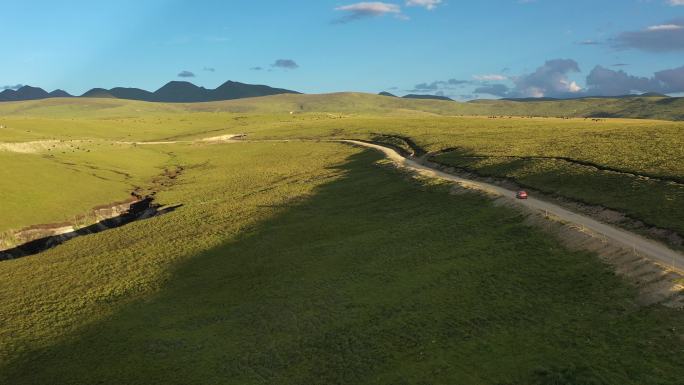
(376, 279)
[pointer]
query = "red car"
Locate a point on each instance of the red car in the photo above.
(521, 194)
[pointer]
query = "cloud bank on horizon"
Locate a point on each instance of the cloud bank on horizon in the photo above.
(552, 80)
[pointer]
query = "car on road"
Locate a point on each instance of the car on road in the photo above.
(521, 194)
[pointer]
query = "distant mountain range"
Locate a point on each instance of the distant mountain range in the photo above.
(30, 93)
(186, 92)
(414, 96)
(172, 92)
(431, 97)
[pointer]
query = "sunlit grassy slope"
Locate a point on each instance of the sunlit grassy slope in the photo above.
(301, 263)
(67, 181)
(646, 153)
(634, 107)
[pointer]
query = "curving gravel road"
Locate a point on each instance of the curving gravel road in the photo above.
(650, 249)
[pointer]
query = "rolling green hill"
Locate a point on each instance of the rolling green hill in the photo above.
(295, 263)
(247, 98)
(646, 107)
(294, 260)
(637, 160)
(634, 108)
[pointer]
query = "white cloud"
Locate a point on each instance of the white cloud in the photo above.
(571, 87)
(428, 4)
(665, 27)
(490, 78)
(367, 9)
(375, 8)
(675, 2)
(664, 37)
(552, 80)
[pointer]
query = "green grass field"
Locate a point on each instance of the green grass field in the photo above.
(635, 167)
(319, 263)
(292, 277)
(647, 199)
(60, 185)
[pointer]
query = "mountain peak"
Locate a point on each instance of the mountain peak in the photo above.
(31, 93)
(236, 90)
(432, 97)
(97, 93)
(60, 94)
(180, 92)
(385, 93)
(180, 83)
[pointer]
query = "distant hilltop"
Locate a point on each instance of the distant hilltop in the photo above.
(172, 92)
(416, 96)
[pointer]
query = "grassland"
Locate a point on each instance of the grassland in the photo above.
(659, 108)
(573, 158)
(633, 166)
(650, 200)
(56, 186)
(309, 264)
(354, 103)
(302, 262)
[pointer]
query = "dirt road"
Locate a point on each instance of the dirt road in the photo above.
(229, 138)
(647, 248)
(37, 146)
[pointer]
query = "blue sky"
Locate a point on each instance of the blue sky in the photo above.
(328, 46)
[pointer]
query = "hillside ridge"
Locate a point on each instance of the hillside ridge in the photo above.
(172, 92)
